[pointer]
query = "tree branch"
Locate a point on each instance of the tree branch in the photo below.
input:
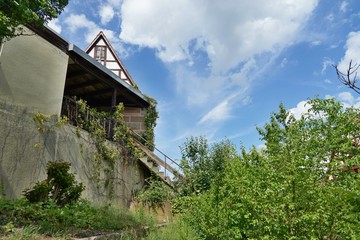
(350, 77)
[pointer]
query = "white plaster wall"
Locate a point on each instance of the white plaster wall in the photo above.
(109, 55)
(101, 43)
(122, 75)
(112, 65)
(92, 53)
(32, 73)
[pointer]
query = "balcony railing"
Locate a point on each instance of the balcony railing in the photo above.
(82, 119)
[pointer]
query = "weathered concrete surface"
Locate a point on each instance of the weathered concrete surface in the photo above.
(32, 73)
(24, 153)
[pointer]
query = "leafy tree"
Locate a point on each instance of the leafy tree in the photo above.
(202, 164)
(301, 186)
(14, 13)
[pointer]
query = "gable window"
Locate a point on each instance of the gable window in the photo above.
(100, 54)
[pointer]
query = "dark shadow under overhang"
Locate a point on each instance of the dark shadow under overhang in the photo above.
(90, 80)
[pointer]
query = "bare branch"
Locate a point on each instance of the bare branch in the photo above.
(350, 77)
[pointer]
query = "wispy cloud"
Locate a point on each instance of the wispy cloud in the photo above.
(343, 6)
(219, 113)
(106, 13)
(55, 25)
(327, 62)
(79, 22)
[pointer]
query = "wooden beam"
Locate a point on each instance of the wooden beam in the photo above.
(81, 85)
(114, 98)
(74, 74)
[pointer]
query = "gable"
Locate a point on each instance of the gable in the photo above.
(102, 51)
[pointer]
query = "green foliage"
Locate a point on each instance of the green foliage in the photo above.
(156, 193)
(40, 119)
(122, 133)
(22, 12)
(201, 164)
(80, 219)
(301, 186)
(150, 122)
(26, 233)
(177, 230)
(60, 186)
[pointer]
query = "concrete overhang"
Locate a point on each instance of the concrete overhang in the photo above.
(90, 80)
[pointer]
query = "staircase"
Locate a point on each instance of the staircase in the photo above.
(153, 162)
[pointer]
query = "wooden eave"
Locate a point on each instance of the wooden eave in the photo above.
(90, 80)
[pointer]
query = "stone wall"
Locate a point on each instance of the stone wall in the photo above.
(134, 119)
(25, 151)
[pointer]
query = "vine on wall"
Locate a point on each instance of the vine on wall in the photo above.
(150, 122)
(95, 122)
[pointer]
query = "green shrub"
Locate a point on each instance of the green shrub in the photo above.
(60, 186)
(177, 230)
(156, 193)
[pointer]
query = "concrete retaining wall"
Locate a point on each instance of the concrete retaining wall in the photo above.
(24, 153)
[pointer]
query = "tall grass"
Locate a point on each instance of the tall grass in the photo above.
(176, 230)
(81, 219)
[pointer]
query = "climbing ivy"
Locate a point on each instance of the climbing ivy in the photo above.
(94, 122)
(150, 122)
(90, 120)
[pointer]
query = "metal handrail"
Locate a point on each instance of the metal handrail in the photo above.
(152, 145)
(70, 109)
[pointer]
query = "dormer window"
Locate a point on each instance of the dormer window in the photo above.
(100, 54)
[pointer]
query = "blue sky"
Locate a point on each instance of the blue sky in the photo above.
(220, 68)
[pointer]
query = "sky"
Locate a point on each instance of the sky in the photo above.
(219, 68)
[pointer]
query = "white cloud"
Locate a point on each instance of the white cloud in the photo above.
(330, 17)
(222, 111)
(352, 51)
(328, 81)
(349, 100)
(327, 62)
(115, 3)
(79, 22)
(171, 26)
(284, 62)
(315, 43)
(76, 22)
(343, 6)
(236, 39)
(106, 13)
(300, 109)
(55, 25)
(219, 113)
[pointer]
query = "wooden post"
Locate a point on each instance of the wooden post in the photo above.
(113, 101)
